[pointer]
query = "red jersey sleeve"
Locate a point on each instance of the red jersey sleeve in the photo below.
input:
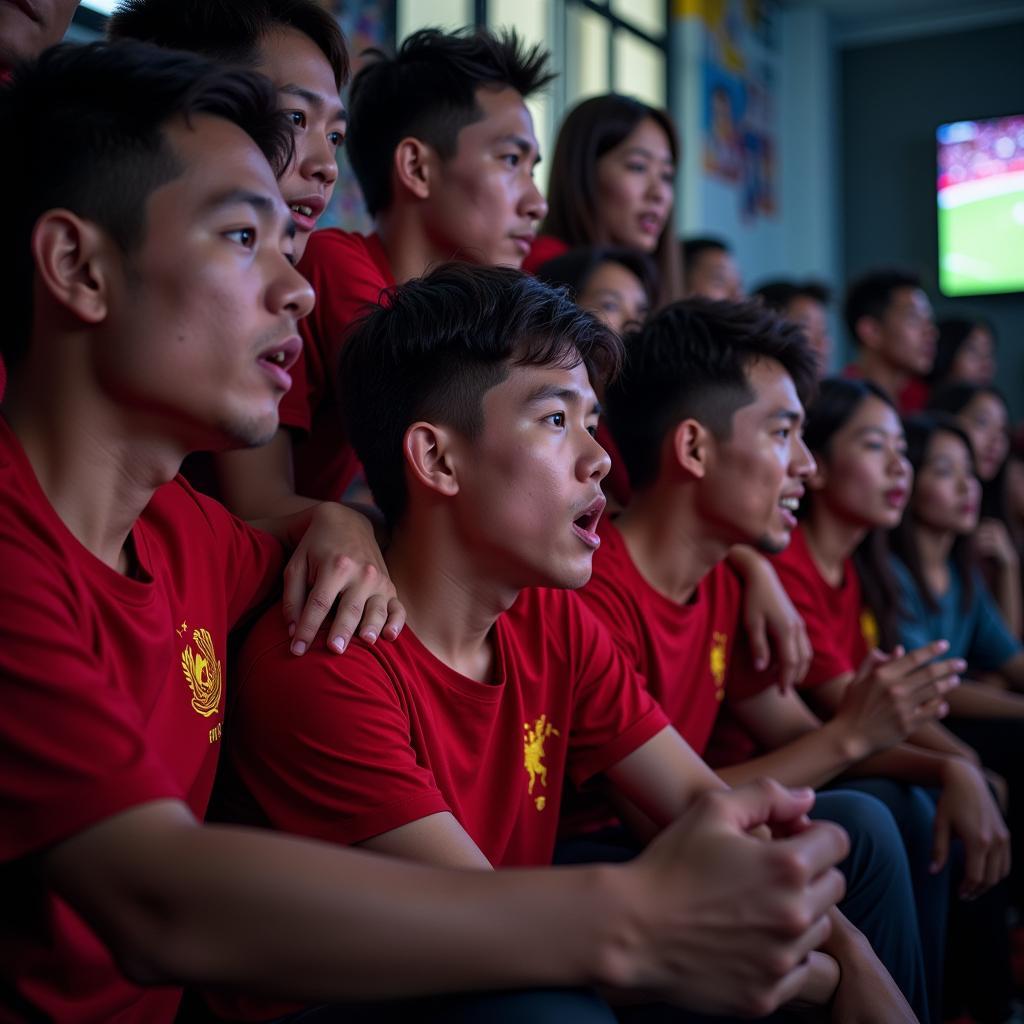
(331, 758)
(613, 713)
(72, 747)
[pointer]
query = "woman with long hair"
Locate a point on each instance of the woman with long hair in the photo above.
(613, 183)
(981, 411)
(838, 572)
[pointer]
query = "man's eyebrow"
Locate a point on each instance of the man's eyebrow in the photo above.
(522, 143)
(790, 415)
(263, 205)
(881, 432)
(260, 202)
(570, 395)
(315, 100)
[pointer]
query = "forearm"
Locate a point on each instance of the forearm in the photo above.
(937, 738)
(905, 762)
(812, 759)
(980, 700)
(295, 919)
(259, 483)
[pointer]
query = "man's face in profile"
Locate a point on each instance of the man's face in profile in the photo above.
(27, 27)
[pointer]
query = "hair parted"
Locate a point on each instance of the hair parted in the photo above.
(438, 344)
(692, 359)
(428, 90)
(229, 30)
(85, 130)
(590, 130)
(871, 294)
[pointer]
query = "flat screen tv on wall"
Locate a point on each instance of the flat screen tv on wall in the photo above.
(981, 206)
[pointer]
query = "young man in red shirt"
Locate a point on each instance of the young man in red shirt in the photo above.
(471, 405)
(709, 410)
(151, 309)
(890, 321)
(444, 149)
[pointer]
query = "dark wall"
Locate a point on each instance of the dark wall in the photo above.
(893, 96)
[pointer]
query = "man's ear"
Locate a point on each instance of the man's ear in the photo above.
(72, 258)
(868, 332)
(691, 443)
(412, 165)
(428, 453)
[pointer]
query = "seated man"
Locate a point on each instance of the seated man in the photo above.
(470, 400)
(709, 411)
(151, 309)
(443, 146)
(890, 321)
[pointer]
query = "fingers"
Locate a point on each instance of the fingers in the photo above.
(764, 802)
(940, 840)
(757, 635)
(986, 864)
(907, 663)
(817, 850)
(363, 596)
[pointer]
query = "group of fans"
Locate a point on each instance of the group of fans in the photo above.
(614, 692)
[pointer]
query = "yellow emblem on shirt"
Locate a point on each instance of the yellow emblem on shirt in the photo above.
(718, 663)
(869, 628)
(533, 754)
(202, 673)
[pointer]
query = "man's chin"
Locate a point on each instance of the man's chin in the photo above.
(773, 544)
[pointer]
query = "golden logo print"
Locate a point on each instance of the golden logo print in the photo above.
(717, 663)
(533, 754)
(202, 673)
(869, 628)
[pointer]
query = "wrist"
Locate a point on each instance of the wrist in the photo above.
(613, 956)
(850, 742)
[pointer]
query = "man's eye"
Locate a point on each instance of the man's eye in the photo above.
(556, 419)
(297, 118)
(335, 138)
(512, 159)
(243, 236)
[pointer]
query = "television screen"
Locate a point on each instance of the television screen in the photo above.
(981, 206)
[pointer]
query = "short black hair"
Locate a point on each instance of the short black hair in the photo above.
(229, 30)
(777, 295)
(428, 90)
(692, 359)
(85, 131)
(693, 248)
(438, 344)
(574, 269)
(871, 294)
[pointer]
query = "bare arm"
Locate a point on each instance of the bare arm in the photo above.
(980, 700)
(708, 916)
(879, 707)
(259, 483)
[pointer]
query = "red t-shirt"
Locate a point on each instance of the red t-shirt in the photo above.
(348, 272)
(544, 248)
(841, 631)
(112, 689)
(913, 396)
(345, 748)
(683, 651)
